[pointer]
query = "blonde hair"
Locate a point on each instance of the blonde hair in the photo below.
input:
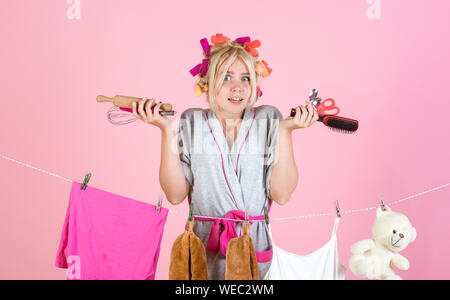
(225, 54)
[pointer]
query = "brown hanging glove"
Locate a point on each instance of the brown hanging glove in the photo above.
(188, 257)
(241, 263)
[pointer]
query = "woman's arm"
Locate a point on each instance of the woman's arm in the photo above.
(284, 177)
(171, 173)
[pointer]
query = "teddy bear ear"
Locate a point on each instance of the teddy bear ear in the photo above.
(383, 210)
(413, 234)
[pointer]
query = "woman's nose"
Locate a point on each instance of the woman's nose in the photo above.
(237, 86)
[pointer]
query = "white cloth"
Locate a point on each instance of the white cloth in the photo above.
(322, 264)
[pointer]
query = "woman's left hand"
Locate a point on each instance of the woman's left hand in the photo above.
(305, 116)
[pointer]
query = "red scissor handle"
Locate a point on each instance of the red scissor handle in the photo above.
(323, 108)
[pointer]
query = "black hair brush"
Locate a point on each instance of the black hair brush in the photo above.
(336, 123)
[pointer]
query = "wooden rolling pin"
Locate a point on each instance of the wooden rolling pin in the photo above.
(126, 103)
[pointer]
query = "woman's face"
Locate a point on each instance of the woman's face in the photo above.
(236, 85)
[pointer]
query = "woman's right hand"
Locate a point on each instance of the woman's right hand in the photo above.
(143, 110)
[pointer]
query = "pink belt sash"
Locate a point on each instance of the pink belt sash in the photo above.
(217, 238)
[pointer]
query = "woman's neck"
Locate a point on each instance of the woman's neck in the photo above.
(229, 119)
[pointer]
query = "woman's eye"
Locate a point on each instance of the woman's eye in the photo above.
(246, 78)
(227, 77)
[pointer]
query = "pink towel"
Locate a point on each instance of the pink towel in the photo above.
(106, 236)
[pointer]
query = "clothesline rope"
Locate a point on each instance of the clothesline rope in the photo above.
(35, 168)
(271, 219)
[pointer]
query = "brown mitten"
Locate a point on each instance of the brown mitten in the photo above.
(241, 261)
(188, 257)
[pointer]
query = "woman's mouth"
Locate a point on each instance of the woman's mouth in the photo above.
(235, 100)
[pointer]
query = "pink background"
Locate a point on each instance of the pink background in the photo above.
(392, 74)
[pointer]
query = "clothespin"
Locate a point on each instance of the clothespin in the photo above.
(266, 215)
(383, 207)
(86, 180)
(160, 200)
(338, 211)
(191, 211)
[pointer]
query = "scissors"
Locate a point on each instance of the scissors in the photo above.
(324, 109)
(322, 106)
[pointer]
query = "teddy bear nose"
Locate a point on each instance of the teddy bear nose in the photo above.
(401, 235)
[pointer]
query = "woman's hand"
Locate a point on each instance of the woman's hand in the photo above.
(144, 112)
(305, 116)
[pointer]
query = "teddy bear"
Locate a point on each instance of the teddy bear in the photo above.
(391, 233)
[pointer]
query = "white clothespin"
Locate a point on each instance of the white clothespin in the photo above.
(160, 200)
(338, 211)
(383, 207)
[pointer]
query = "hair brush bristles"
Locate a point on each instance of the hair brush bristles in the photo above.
(341, 130)
(336, 123)
(339, 124)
